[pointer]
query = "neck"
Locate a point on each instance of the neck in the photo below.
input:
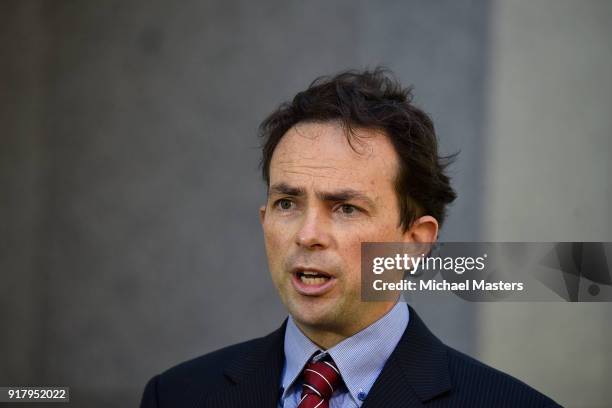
(327, 337)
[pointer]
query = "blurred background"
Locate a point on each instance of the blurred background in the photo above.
(129, 181)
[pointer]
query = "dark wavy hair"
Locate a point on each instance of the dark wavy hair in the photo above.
(373, 100)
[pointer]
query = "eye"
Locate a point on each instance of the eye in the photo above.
(284, 204)
(348, 209)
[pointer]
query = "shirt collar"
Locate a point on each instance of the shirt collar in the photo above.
(359, 358)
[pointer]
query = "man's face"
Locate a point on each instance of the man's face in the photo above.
(324, 200)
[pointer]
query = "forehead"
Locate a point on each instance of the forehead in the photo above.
(320, 154)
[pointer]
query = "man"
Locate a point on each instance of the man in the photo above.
(349, 160)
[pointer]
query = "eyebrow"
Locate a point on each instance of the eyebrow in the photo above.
(333, 196)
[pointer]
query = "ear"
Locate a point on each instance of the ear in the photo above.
(424, 229)
(262, 214)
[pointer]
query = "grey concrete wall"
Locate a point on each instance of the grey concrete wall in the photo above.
(129, 169)
(22, 192)
(549, 149)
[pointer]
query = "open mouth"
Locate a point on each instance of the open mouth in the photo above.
(313, 278)
(312, 282)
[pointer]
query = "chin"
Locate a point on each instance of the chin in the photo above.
(310, 316)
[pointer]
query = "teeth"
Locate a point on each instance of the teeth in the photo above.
(312, 281)
(310, 273)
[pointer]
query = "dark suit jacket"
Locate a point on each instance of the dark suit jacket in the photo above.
(421, 372)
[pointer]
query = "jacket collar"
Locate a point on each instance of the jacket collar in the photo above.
(416, 372)
(265, 353)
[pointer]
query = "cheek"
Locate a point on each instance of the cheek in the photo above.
(377, 231)
(351, 244)
(276, 243)
(351, 253)
(387, 231)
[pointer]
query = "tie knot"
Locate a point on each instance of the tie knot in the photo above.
(321, 378)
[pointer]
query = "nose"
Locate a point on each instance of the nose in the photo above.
(314, 231)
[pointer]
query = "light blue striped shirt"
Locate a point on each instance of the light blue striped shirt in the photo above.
(359, 358)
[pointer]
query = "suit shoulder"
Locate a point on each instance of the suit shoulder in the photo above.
(193, 381)
(208, 368)
(476, 380)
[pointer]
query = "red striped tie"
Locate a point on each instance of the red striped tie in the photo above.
(320, 378)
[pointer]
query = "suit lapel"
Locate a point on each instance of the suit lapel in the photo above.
(392, 390)
(254, 375)
(416, 372)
